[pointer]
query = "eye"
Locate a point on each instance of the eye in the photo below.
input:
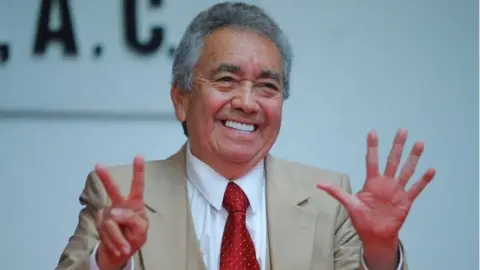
(269, 85)
(225, 79)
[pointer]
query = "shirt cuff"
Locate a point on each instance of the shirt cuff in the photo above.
(93, 261)
(400, 261)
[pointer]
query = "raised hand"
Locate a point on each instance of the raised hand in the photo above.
(123, 225)
(379, 210)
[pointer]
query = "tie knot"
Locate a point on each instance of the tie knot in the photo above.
(235, 199)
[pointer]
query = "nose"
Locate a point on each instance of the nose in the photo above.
(245, 100)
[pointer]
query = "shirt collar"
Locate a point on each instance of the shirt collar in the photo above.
(212, 185)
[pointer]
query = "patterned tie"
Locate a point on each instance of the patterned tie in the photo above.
(238, 251)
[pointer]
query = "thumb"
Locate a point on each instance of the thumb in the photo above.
(345, 198)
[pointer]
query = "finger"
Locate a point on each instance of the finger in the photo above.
(109, 184)
(105, 238)
(135, 205)
(346, 199)
(111, 247)
(129, 219)
(372, 155)
(134, 226)
(138, 182)
(99, 218)
(411, 164)
(116, 236)
(418, 187)
(396, 153)
(130, 236)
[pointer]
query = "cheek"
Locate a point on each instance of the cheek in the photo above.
(209, 104)
(273, 114)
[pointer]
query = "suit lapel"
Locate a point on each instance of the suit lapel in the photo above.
(169, 244)
(172, 243)
(291, 223)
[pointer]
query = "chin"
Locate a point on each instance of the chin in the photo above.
(238, 155)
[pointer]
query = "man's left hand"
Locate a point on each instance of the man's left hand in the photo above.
(379, 210)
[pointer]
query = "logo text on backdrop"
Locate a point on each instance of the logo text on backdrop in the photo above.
(64, 34)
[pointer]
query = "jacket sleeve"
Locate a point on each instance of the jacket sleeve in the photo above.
(76, 254)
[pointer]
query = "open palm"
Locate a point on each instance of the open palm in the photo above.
(379, 210)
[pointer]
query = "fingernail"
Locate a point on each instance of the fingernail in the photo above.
(117, 253)
(126, 250)
(116, 212)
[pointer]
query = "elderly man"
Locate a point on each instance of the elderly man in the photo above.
(222, 202)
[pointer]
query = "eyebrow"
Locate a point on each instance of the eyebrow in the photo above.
(270, 74)
(230, 68)
(226, 68)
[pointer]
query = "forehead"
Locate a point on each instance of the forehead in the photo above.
(241, 48)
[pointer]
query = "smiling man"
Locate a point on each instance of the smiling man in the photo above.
(234, 112)
(222, 202)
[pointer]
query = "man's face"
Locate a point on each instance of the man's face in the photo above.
(234, 112)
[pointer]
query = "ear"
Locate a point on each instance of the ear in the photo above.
(180, 102)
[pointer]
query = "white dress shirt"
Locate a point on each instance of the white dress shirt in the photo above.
(206, 189)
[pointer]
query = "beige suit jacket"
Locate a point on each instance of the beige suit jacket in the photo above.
(307, 229)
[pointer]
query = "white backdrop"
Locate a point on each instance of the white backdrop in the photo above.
(359, 65)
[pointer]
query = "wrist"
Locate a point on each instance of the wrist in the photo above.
(381, 254)
(382, 246)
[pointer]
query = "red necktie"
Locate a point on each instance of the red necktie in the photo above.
(237, 251)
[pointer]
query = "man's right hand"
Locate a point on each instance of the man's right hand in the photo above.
(123, 225)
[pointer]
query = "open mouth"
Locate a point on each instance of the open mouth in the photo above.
(240, 126)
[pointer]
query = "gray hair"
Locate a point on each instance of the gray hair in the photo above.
(227, 14)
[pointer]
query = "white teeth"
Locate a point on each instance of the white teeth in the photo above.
(239, 126)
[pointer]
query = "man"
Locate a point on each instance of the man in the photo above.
(222, 202)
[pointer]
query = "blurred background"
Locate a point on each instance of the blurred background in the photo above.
(87, 81)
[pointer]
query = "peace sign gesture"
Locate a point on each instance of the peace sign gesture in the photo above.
(123, 225)
(379, 210)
